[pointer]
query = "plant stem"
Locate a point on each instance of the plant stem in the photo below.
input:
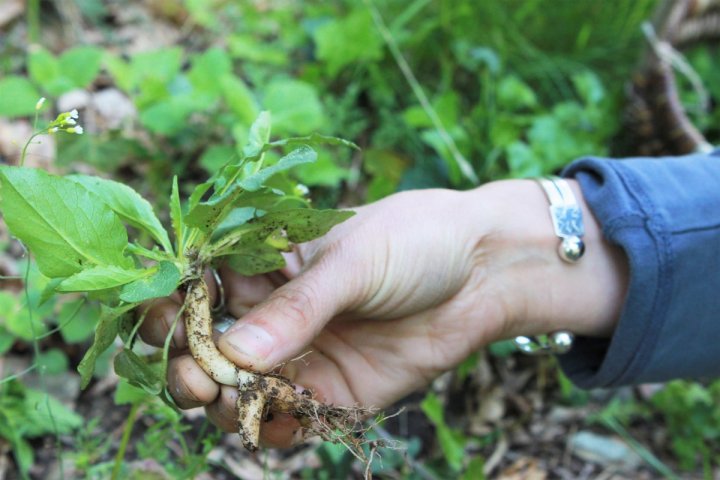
(129, 423)
(27, 144)
(33, 21)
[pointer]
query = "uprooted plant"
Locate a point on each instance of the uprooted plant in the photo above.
(245, 216)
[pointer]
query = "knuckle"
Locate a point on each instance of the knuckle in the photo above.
(298, 304)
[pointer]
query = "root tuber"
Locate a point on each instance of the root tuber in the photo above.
(260, 394)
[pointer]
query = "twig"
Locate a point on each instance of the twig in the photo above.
(497, 455)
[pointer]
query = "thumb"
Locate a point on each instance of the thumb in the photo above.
(288, 320)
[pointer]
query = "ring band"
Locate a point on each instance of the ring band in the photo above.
(220, 307)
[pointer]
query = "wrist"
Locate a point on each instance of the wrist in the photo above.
(539, 292)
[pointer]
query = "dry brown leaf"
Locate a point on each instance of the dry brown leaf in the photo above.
(525, 468)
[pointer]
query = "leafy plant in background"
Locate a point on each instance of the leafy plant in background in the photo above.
(244, 215)
(453, 443)
(691, 413)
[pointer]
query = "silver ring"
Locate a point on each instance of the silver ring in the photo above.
(220, 306)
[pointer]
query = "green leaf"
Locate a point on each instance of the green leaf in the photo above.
(348, 41)
(7, 340)
(451, 442)
(120, 70)
(127, 203)
(314, 139)
(18, 98)
(514, 94)
(105, 334)
(167, 117)
(138, 371)
(77, 320)
(54, 361)
(125, 394)
(475, 470)
(65, 226)
(295, 107)
(100, 278)
(239, 99)
(176, 217)
(216, 157)
(43, 67)
(305, 224)
(207, 72)
(81, 65)
(45, 414)
(256, 260)
(259, 135)
(299, 156)
(235, 219)
(206, 215)
(161, 65)
(160, 284)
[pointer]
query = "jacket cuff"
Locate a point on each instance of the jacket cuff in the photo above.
(665, 214)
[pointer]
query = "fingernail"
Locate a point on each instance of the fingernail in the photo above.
(249, 340)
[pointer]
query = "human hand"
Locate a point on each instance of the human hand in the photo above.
(394, 296)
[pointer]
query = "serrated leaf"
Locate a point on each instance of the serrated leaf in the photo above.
(305, 224)
(206, 215)
(235, 219)
(100, 278)
(138, 372)
(160, 284)
(105, 334)
(127, 203)
(65, 226)
(299, 156)
(254, 261)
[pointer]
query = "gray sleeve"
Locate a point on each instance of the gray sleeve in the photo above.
(665, 214)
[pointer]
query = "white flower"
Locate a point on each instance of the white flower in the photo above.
(74, 113)
(53, 130)
(70, 121)
(39, 103)
(76, 130)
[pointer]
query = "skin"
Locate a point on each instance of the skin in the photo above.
(403, 291)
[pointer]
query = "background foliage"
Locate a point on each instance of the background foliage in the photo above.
(438, 93)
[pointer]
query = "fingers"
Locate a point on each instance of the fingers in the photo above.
(189, 385)
(160, 316)
(243, 293)
(279, 430)
(281, 326)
